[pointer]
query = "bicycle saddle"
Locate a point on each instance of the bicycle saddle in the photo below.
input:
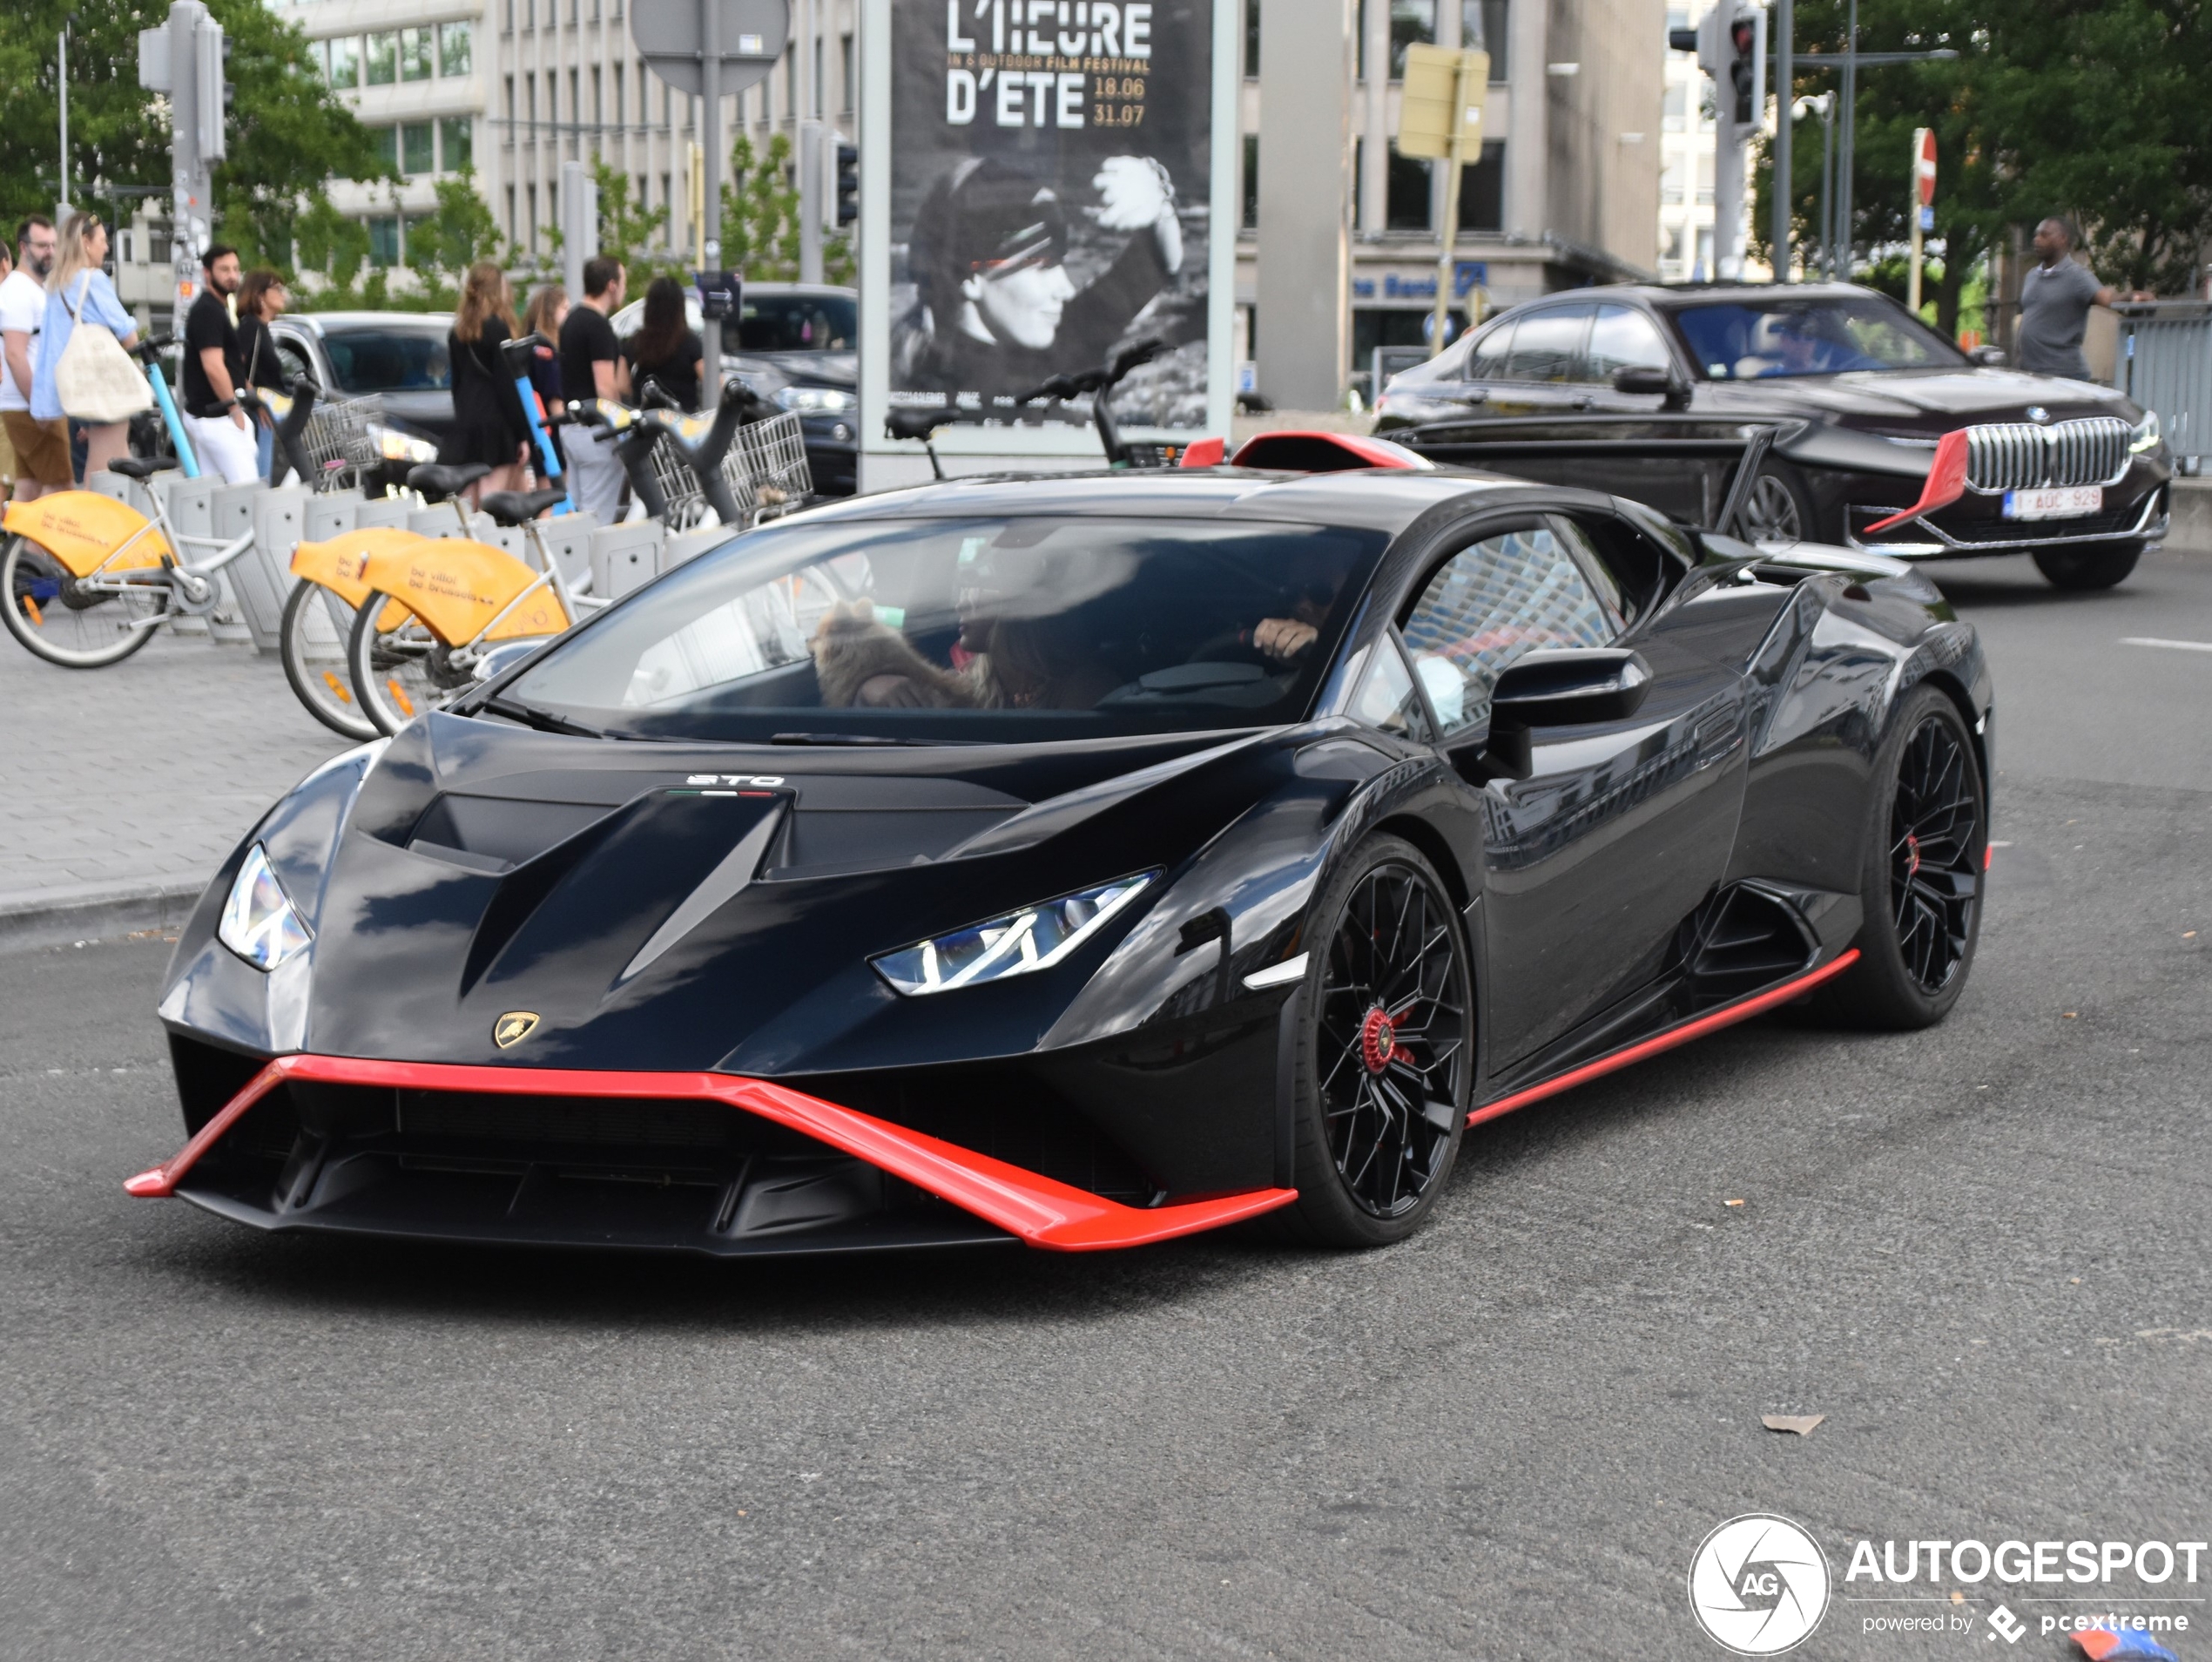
(141, 467)
(513, 507)
(437, 480)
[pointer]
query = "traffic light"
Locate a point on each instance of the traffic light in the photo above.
(848, 184)
(1743, 68)
(211, 52)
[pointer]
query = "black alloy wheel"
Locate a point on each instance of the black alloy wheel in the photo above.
(1923, 873)
(2097, 566)
(1776, 511)
(1385, 1057)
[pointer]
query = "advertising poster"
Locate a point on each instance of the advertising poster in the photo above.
(1047, 194)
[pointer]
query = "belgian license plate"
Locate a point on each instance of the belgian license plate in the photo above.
(2063, 502)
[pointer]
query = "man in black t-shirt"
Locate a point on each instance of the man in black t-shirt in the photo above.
(218, 427)
(591, 367)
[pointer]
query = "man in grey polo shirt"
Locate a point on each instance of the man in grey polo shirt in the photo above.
(2056, 299)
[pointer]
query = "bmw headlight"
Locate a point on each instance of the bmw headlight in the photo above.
(1036, 937)
(2145, 435)
(815, 400)
(258, 922)
(397, 444)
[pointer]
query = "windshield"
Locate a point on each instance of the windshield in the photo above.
(1748, 340)
(798, 323)
(971, 630)
(383, 359)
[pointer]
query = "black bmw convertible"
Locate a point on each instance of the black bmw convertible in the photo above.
(1082, 862)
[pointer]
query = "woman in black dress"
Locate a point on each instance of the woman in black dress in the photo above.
(487, 422)
(666, 348)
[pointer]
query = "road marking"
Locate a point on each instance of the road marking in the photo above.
(2174, 646)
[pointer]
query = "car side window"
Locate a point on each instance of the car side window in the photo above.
(1491, 353)
(296, 362)
(1578, 543)
(1548, 345)
(1386, 699)
(1623, 338)
(1513, 593)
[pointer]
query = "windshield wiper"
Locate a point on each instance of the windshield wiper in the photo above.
(544, 721)
(866, 739)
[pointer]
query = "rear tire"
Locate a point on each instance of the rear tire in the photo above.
(68, 626)
(1922, 877)
(1385, 1052)
(2088, 567)
(315, 640)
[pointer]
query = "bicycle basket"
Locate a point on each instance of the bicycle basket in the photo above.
(687, 506)
(766, 465)
(338, 442)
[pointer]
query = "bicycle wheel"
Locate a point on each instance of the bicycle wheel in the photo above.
(69, 621)
(316, 634)
(403, 669)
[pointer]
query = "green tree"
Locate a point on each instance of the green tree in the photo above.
(633, 233)
(761, 218)
(287, 134)
(460, 233)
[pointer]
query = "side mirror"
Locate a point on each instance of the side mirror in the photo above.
(1649, 380)
(1552, 689)
(1992, 357)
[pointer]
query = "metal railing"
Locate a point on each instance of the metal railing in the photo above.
(2165, 365)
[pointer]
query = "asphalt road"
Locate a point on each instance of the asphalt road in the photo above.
(1981, 1252)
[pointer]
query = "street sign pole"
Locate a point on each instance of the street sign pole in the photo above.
(1785, 90)
(1923, 169)
(810, 152)
(710, 138)
(1439, 117)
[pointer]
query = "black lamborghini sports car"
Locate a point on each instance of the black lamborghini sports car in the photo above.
(1082, 862)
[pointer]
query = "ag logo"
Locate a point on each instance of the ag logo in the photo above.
(1758, 1585)
(514, 1027)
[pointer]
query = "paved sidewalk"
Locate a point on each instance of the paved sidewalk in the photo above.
(139, 778)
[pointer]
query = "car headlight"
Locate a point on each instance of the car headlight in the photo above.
(814, 400)
(258, 922)
(397, 444)
(2145, 435)
(1036, 937)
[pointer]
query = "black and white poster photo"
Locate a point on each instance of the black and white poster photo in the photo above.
(1050, 182)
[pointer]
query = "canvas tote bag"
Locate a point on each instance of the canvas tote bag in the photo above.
(96, 380)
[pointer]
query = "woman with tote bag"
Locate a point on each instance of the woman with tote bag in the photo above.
(88, 374)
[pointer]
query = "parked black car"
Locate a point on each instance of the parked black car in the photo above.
(798, 345)
(1862, 391)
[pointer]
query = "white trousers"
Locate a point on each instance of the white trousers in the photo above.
(595, 476)
(224, 447)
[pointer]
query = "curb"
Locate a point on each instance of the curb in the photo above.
(46, 917)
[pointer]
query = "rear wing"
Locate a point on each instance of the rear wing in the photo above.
(1697, 468)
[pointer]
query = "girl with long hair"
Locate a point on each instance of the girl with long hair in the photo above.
(79, 290)
(666, 348)
(487, 422)
(549, 309)
(261, 300)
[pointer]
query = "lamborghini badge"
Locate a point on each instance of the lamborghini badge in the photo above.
(514, 1027)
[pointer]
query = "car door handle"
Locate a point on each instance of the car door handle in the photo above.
(1581, 401)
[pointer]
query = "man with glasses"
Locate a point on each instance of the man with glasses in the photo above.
(41, 447)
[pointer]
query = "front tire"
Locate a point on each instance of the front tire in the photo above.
(2088, 567)
(59, 619)
(1385, 1051)
(313, 641)
(1921, 881)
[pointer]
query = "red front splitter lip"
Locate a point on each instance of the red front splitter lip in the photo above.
(1034, 1208)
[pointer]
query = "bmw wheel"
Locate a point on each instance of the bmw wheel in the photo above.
(1385, 1051)
(1921, 881)
(2092, 567)
(1779, 509)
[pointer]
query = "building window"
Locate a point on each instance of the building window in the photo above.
(529, 98)
(851, 71)
(384, 240)
(386, 140)
(1482, 22)
(1482, 190)
(416, 155)
(1705, 178)
(599, 97)
(346, 62)
(1704, 267)
(510, 214)
(453, 49)
(509, 29)
(1406, 207)
(456, 144)
(1251, 40)
(1671, 107)
(510, 109)
(576, 98)
(1409, 21)
(667, 196)
(383, 65)
(791, 80)
(416, 53)
(619, 79)
(1250, 220)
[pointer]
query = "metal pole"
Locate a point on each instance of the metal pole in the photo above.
(1847, 151)
(1785, 120)
(1828, 185)
(810, 154)
(1912, 275)
(62, 69)
(1448, 248)
(711, 141)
